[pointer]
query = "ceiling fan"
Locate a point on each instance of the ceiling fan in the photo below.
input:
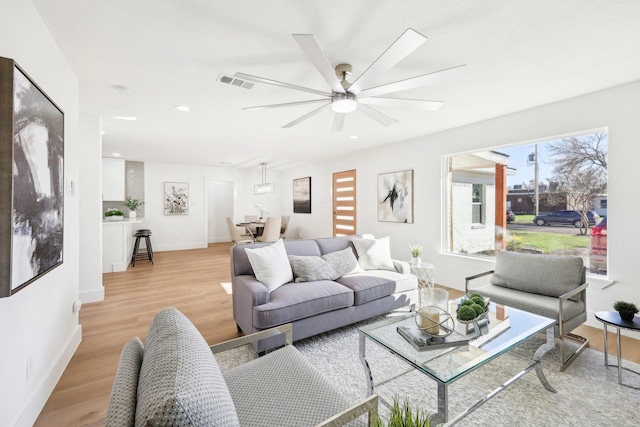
(346, 97)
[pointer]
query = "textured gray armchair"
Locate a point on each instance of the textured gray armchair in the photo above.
(548, 285)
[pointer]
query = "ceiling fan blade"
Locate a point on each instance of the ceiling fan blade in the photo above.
(281, 84)
(306, 116)
(402, 103)
(287, 104)
(338, 122)
(409, 41)
(315, 54)
(376, 115)
(424, 80)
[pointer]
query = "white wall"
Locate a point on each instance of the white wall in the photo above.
(190, 231)
(220, 197)
(615, 108)
(90, 189)
(38, 326)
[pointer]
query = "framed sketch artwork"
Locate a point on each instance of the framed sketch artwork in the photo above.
(302, 195)
(395, 196)
(31, 180)
(176, 198)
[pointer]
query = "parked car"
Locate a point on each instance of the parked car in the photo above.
(510, 216)
(566, 217)
(598, 247)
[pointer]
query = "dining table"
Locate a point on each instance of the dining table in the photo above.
(250, 226)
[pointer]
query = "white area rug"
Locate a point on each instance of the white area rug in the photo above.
(587, 393)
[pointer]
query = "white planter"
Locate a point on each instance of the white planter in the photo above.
(416, 261)
(114, 218)
(132, 214)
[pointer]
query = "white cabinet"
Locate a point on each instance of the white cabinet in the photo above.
(113, 178)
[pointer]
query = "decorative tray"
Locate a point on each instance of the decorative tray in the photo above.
(422, 341)
(485, 305)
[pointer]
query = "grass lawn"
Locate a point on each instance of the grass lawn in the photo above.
(524, 219)
(549, 242)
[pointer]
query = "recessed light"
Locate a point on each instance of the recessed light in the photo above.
(115, 154)
(130, 118)
(182, 108)
(353, 137)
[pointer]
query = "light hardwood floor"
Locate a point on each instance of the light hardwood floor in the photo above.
(188, 280)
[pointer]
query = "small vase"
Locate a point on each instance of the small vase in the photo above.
(627, 316)
(132, 214)
(416, 261)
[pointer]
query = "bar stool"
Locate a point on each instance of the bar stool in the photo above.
(140, 253)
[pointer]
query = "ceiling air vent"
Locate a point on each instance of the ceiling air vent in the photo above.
(230, 80)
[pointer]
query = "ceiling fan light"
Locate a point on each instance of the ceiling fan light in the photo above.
(344, 105)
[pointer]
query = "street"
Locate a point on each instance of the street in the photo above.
(559, 229)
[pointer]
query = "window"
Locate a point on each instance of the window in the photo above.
(477, 197)
(556, 187)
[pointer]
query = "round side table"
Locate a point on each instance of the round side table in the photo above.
(612, 318)
(424, 273)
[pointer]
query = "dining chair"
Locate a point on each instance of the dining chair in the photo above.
(271, 231)
(284, 225)
(236, 234)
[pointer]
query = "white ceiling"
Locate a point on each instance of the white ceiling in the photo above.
(519, 54)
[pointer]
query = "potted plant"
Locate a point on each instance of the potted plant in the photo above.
(402, 417)
(113, 215)
(133, 204)
(626, 310)
(416, 251)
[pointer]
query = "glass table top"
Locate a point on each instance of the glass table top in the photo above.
(503, 332)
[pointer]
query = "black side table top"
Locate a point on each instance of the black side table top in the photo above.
(613, 318)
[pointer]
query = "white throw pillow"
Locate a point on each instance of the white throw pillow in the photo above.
(374, 254)
(271, 265)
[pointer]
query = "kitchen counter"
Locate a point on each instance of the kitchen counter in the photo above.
(117, 243)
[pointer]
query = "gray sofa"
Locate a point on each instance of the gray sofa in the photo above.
(549, 285)
(317, 306)
(175, 380)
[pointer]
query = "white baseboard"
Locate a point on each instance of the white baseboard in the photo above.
(179, 247)
(38, 399)
(92, 296)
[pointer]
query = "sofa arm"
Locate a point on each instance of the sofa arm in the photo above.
(402, 266)
(286, 329)
(368, 405)
(475, 276)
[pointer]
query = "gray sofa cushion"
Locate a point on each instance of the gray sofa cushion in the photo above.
(311, 268)
(333, 244)
(122, 404)
(294, 301)
(180, 383)
(343, 262)
(550, 275)
(367, 288)
(303, 396)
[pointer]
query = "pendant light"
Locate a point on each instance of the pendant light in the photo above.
(265, 187)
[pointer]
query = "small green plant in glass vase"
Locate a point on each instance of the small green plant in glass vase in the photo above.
(416, 251)
(627, 310)
(133, 204)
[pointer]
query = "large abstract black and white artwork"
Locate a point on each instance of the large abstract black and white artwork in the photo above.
(395, 196)
(176, 198)
(31, 180)
(302, 195)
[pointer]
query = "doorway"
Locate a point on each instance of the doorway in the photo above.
(219, 206)
(344, 203)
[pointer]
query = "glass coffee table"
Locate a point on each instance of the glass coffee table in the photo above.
(445, 363)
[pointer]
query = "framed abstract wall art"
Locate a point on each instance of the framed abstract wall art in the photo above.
(176, 198)
(302, 195)
(395, 197)
(31, 180)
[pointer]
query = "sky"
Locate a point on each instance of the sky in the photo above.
(518, 160)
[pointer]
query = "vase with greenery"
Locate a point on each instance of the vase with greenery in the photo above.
(133, 204)
(627, 310)
(416, 251)
(402, 417)
(113, 215)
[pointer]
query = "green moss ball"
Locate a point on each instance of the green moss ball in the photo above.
(465, 312)
(477, 299)
(477, 308)
(475, 294)
(466, 302)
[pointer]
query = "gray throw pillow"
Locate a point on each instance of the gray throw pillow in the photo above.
(344, 262)
(311, 268)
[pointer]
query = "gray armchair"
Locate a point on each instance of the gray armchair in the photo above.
(548, 285)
